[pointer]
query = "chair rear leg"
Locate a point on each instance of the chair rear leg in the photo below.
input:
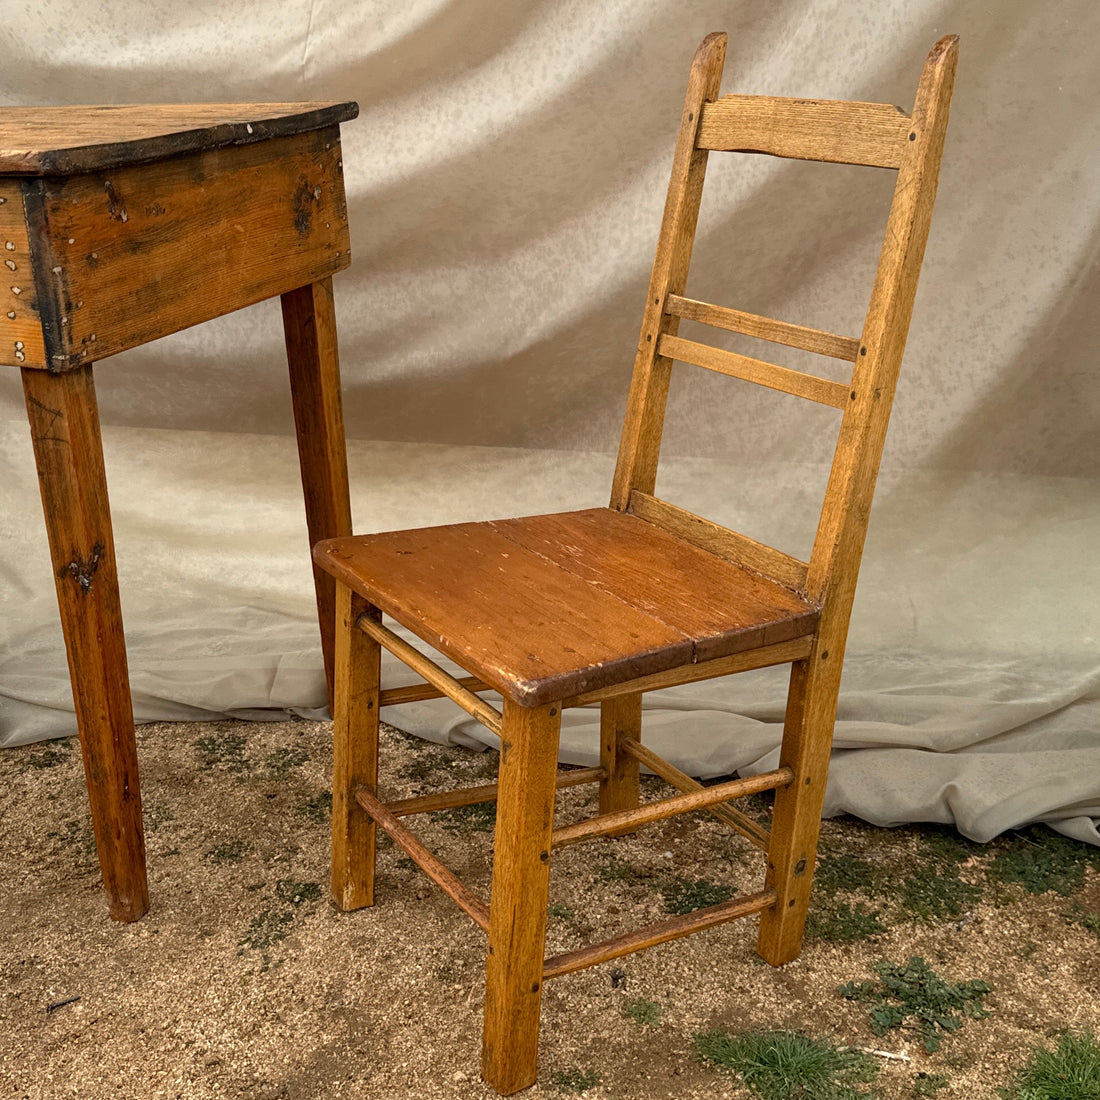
(796, 822)
(620, 719)
(354, 751)
(521, 884)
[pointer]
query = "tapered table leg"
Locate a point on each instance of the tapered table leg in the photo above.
(521, 883)
(64, 422)
(309, 323)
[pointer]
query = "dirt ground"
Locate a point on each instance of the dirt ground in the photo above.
(243, 981)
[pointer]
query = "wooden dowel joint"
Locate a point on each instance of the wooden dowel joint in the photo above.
(447, 684)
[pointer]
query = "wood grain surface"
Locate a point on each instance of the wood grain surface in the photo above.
(547, 607)
(53, 141)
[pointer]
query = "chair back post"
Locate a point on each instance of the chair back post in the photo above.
(838, 546)
(640, 445)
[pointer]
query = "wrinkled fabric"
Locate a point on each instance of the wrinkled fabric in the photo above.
(505, 182)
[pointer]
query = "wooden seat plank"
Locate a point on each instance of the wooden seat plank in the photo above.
(539, 605)
(528, 627)
(724, 609)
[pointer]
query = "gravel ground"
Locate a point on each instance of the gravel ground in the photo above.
(244, 982)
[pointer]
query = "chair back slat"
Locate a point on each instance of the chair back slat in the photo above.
(850, 133)
(821, 390)
(874, 134)
(719, 540)
(765, 328)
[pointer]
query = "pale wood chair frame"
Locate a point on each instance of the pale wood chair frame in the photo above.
(841, 132)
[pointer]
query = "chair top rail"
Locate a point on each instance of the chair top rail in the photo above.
(837, 131)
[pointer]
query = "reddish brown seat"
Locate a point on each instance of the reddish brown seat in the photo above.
(605, 604)
(566, 603)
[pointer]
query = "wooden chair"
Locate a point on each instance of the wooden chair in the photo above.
(602, 605)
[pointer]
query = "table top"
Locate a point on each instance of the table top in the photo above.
(51, 141)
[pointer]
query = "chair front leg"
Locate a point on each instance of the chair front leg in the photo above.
(521, 884)
(620, 720)
(354, 751)
(796, 821)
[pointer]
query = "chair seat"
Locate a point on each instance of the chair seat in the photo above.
(547, 607)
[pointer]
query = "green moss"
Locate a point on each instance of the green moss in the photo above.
(574, 1080)
(937, 893)
(478, 817)
(224, 750)
(318, 808)
(839, 922)
(267, 928)
(1040, 860)
(281, 762)
(230, 851)
(295, 893)
(683, 896)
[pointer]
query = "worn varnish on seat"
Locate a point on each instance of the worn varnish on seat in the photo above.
(601, 605)
(567, 603)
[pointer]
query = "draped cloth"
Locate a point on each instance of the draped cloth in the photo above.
(505, 183)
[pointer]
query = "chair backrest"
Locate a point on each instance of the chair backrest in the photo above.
(873, 134)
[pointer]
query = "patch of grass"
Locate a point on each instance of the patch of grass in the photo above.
(1040, 860)
(849, 873)
(1069, 1072)
(928, 1084)
(947, 845)
(425, 764)
(1085, 918)
(57, 752)
(574, 1080)
(267, 929)
(155, 815)
(560, 911)
(75, 833)
(783, 1065)
(295, 893)
(916, 990)
(281, 762)
(642, 1011)
(937, 893)
(478, 817)
(614, 871)
(682, 896)
(224, 750)
(840, 922)
(232, 851)
(318, 808)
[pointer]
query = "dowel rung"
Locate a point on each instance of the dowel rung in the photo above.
(795, 382)
(442, 876)
(477, 708)
(467, 796)
(683, 782)
(417, 693)
(654, 934)
(670, 807)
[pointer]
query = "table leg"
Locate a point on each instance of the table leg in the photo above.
(309, 323)
(64, 422)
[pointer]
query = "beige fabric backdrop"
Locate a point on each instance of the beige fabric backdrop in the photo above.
(505, 180)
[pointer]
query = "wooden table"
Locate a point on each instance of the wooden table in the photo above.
(121, 225)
